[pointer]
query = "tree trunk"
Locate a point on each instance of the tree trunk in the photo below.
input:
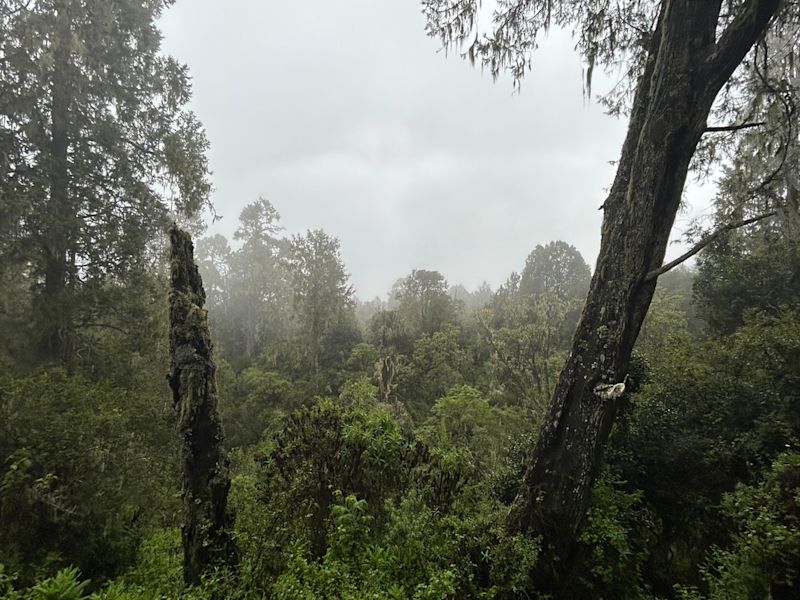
(206, 479)
(686, 67)
(53, 306)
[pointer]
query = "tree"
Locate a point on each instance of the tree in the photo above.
(741, 273)
(322, 449)
(707, 417)
(90, 164)
(192, 378)
(214, 257)
(557, 268)
(323, 298)
(464, 420)
(438, 362)
(468, 302)
(260, 291)
(424, 302)
(390, 333)
(762, 560)
(257, 299)
(258, 226)
(679, 54)
(525, 348)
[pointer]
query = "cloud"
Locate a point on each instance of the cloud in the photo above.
(345, 115)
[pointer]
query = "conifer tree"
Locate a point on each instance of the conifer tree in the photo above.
(97, 146)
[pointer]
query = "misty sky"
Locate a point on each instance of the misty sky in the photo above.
(347, 118)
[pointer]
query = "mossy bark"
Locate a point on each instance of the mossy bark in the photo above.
(687, 66)
(206, 477)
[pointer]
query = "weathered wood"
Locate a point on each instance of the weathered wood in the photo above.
(206, 477)
(685, 70)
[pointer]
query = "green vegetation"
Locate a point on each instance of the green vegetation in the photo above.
(342, 491)
(370, 450)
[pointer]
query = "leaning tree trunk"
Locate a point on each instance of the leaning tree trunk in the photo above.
(206, 479)
(687, 66)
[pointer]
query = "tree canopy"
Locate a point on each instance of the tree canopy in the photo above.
(556, 268)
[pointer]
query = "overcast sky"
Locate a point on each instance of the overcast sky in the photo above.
(347, 118)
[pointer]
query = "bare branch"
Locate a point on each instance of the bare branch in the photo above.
(734, 127)
(140, 147)
(703, 243)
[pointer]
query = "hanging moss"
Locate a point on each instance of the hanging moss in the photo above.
(206, 476)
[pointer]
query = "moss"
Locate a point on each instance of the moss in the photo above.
(206, 476)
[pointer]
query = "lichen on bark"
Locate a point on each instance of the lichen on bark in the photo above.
(192, 378)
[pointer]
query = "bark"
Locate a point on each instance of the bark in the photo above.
(53, 305)
(206, 477)
(685, 70)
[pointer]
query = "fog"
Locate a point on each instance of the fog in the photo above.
(347, 117)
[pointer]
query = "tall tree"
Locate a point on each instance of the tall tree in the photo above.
(258, 304)
(424, 301)
(213, 255)
(679, 54)
(206, 477)
(323, 298)
(557, 268)
(91, 165)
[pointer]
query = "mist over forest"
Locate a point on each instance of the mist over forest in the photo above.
(204, 412)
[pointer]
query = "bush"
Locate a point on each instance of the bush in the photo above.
(764, 559)
(80, 473)
(65, 585)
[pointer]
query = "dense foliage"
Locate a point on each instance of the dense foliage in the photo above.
(377, 457)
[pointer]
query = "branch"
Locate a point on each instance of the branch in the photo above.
(703, 243)
(734, 127)
(739, 36)
(105, 326)
(139, 147)
(8, 11)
